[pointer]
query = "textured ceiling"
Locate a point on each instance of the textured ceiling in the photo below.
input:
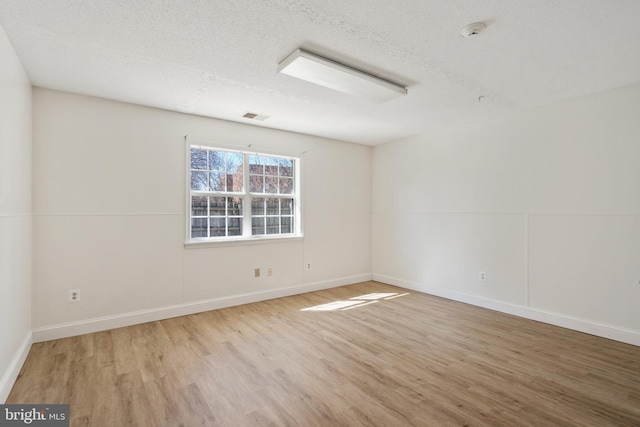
(219, 58)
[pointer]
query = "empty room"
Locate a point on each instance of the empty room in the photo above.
(319, 213)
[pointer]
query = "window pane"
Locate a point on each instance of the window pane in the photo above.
(257, 225)
(235, 226)
(273, 225)
(271, 166)
(272, 207)
(257, 206)
(217, 206)
(271, 184)
(199, 181)
(199, 206)
(256, 165)
(217, 227)
(286, 167)
(199, 227)
(256, 184)
(286, 225)
(216, 181)
(234, 182)
(286, 185)
(234, 206)
(216, 160)
(286, 206)
(198, 159)
(271, 170)
(234, 163)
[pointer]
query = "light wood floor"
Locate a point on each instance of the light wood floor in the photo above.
(410, 360)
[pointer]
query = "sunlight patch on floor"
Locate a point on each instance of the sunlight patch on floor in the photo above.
(355, 302)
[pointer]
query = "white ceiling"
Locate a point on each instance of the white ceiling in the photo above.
(219, 58)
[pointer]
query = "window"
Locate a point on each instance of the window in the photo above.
(237, 195)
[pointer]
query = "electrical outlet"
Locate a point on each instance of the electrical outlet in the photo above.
(309, 266)
(482, 276)
(257, 272)
(269, 271)
(74, 295)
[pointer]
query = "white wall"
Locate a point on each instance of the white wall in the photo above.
(547, 202)
(109, 191)
(15, 216)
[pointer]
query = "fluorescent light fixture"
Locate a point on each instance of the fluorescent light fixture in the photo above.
(327, 73)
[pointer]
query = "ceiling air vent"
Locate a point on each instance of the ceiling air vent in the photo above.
(255, 116)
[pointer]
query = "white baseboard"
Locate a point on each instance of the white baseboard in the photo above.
(65, 330)
(11, 374)
(562, 320)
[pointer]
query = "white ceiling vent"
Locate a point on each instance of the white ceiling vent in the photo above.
(255, 116)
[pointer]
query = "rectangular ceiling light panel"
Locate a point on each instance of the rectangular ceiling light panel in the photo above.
(327, 73)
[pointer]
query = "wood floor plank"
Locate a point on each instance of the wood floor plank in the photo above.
(103, 348)
(410, 360)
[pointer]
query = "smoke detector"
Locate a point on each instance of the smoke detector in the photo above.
(473, 29)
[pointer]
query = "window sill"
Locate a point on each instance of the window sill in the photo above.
(241, 242)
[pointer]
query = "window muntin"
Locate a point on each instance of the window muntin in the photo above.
(216, 170)
(223, 208)
(272, 215)
(213, 216)
(270, 175)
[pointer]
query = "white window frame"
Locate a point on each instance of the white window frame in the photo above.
(246, 195)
